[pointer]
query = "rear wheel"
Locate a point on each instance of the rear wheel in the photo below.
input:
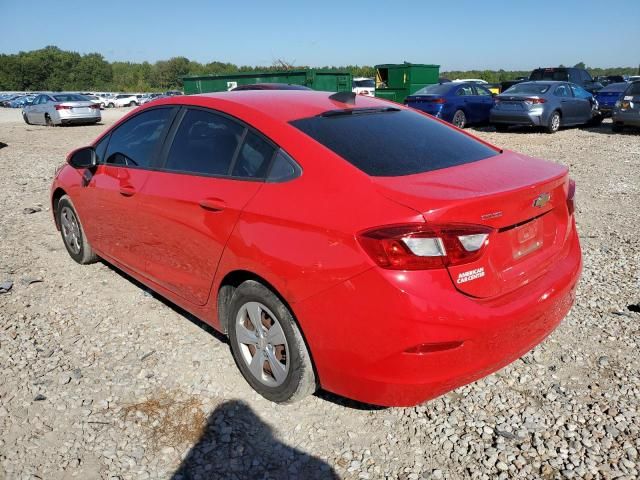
(47, 121)
(617, 127)
(72, 233)
(132, 104)
(554, 122)
(268, 346)
(459, 119)
(110, 105)
(501, 127)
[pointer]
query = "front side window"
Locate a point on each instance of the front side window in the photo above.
(135, 143)
(393, 142)
(205, 143)
(483, 91)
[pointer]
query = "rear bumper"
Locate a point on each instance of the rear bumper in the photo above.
(75, 118)
(627, 117)
(531, 118)
(359, 332)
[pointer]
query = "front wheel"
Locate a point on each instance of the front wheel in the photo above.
(111, 105)
(459, 119)
(554, 123)
(26, 119)
(268, 346)
(617, 127)
(72, 232)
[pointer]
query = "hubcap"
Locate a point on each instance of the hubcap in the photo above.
(263, 346)
(70, 229)
(555, 122)
(458, 119)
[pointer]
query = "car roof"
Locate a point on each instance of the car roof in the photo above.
(283, 105)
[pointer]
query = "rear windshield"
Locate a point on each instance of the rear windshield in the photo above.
(364, 83)
(634, 89)
(440, 89)
(394, 142)
(69, 97)
(528, 88)
(559, 75)
(615, 87)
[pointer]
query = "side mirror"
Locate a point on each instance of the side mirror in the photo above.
(83, 158)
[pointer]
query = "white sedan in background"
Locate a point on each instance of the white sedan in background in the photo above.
(364, 86)
(61, 109)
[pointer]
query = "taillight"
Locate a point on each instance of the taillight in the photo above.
(63, 107)
(439, 100)
(535, 101)
(423, 247)
(95, 106)
(571, 197)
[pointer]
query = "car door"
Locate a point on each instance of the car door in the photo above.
(465, 101)
(565, 99)
(212, 168)
(584, 104)
(111, 200)
(31, 111)
(483, 101)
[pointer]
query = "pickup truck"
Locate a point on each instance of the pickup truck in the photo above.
(579, 76)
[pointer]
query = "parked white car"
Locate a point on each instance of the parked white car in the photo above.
(472, 80)
(125, 100)
(61, 109)
(364, 86)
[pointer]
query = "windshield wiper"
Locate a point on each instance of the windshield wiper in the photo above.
(358, 111)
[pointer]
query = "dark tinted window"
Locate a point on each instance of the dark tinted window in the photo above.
(254, 158)
(528, 89)
(204, 143)
(69, 97)
(483, 91)
(559, 75)
(634, 89)
(283, 168)
(135, 142)
(393, 143)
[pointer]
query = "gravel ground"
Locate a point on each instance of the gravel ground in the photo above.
(99, 378)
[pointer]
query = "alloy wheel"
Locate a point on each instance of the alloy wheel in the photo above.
(459, 119)
(70, 230)
(262, 344)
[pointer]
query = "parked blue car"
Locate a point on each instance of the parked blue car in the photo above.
(609, 95)
(460, 103)
(21, 101)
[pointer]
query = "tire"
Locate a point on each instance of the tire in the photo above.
(501, 127)
(554, 122)
(459, 119)
(132, 104)
(596, 121)
(617, 127)
(277, 382)
(110, 105)
(73, 237)
(47, 121)
(26, 120)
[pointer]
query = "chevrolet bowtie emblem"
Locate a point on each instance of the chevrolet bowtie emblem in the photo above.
(542, 200)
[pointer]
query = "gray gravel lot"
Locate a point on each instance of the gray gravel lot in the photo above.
(99, 378)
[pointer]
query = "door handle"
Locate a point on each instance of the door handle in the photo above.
(127, 190)
(212, 204)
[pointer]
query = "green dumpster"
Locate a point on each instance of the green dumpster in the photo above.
(397, 81)
(323, 80)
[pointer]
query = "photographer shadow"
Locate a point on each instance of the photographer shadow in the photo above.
(237, 444)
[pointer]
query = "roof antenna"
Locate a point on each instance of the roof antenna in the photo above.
(344, 97)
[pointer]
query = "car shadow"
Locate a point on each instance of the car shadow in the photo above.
(324, 395)
(236, 444)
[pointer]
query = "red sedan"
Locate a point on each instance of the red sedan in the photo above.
(350, 244)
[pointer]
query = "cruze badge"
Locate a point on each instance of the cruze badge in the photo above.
(542, 200)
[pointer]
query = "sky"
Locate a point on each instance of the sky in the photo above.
(458, 35)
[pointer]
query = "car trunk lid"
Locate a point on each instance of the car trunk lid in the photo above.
(523, 200)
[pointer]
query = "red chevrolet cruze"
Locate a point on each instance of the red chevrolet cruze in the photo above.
(351, 244)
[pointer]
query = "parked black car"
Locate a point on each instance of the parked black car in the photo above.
(609, 79)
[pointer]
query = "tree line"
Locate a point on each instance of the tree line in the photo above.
(53, 69)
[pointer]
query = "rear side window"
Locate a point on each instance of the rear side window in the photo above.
(254, 158)
(135, 142)
(205, 143)
(393, 142)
